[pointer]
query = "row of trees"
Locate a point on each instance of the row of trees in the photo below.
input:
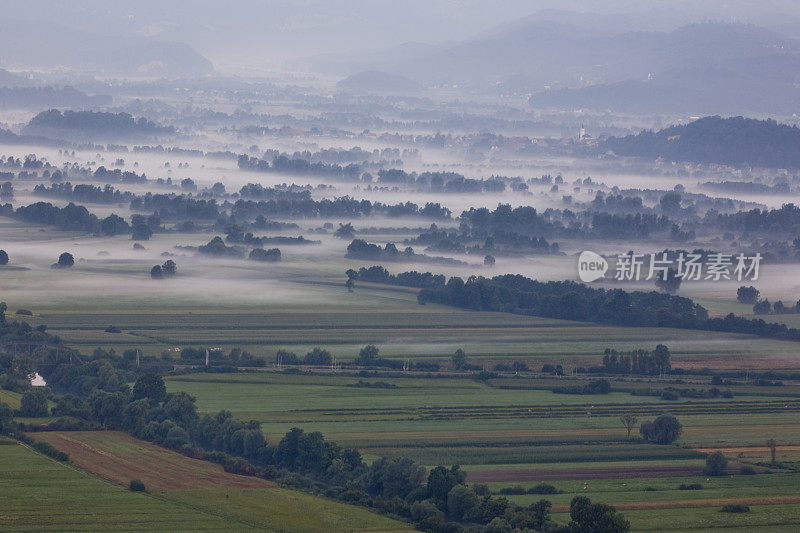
(72, 217)
(97, 392)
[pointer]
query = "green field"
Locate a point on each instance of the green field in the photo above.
(40, 494)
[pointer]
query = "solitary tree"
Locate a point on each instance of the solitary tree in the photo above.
(772, 445)
(367, 355)
(345, 231)
(169, 268)
(747, 295)
(65, 260)
(716, 464)
(459, 359)
(157, 272)
(661, 355)
(663, 430)
(629, 422)
(3, 257)
(489, 260)
(351, 279)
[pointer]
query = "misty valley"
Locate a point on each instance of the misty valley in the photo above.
(446, 268)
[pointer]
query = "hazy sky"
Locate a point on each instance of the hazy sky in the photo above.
(267, 32)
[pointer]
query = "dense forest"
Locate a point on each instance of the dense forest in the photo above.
(93, 123)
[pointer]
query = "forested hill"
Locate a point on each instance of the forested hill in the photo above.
(733, 141)
(74, 125)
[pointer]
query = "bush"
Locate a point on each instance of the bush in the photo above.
(136, 485)
(543, 488)
(259, 254)
(691, 486)
(735, 508)
(50, 451)
(670, 395)
(747, 471)
(716, 464)
(513, 490)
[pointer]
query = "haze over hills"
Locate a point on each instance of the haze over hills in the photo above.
(53, 47)
(564, 54)
(566, 61)
(376, 81)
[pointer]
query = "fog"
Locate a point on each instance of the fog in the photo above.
(468, 93)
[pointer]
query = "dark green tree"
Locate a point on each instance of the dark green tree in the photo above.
(459, 359)
(441, 481)
(34, 403)
(663, 430)
(169, 268)
(141, 232)
(367, 356)
(588, 517)
(461, 502)
(150, 386)
(65, 260)
(716, 464)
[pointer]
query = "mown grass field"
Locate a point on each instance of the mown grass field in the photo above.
(40, 494)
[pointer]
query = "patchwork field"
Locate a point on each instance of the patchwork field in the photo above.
(217, 501)
(390, 318)
(514, 431)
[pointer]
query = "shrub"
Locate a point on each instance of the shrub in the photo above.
(136, 485)
(543, 488)
(50, 451)
(735, 508)
(691, 486)
(513, 490)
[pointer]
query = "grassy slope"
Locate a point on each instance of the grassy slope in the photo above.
(43, 495)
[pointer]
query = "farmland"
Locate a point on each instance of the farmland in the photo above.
(458, 268)
(506, 437)
(194, 496)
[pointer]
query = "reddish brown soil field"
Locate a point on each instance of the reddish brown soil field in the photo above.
(119, 457)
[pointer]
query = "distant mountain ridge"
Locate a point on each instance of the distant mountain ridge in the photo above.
(377, 81)
(564, 61)
(735, 141)
(46, 46)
